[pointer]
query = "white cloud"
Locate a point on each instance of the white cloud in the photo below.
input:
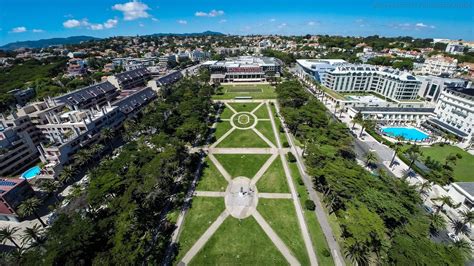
(37, 30)
(311, 23)
(182, 22)
(282, 25)
(409, 26)
(223, 21)
(19, 29)
(74, 23)
(141, 25)
(423, 25)
(71, 23)
(272, 20)
(155, 19)
(111, 23)
(212, 13)
(132, 10)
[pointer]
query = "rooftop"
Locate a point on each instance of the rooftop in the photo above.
(395, 109)
(6, 184)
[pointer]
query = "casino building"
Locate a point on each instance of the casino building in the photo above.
(244, 69)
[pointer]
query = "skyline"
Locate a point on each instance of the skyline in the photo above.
(121, 18)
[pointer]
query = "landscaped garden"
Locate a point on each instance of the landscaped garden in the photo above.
(258, 91)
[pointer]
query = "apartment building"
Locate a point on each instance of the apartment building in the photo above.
(455, 48)
(76, 67)
(12, 193)
(317, 68)
(90, 96)
(455, 113)
(439, 65)
(388, 82)
(130, 79)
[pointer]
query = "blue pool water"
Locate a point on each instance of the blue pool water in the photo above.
(408, 133)
(30, 173)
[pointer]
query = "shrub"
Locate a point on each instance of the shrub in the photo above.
(326, 253)
(281, 129)
(285, 144)
(309, 205)
(291, 157)
(300, 181)
(459, 155)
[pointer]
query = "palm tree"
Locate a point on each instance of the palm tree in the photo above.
(437, 223)
(50, 186)
(107, 134)
(405, 173)
(467, 217)
(83, 156)
(336, 106)
(358, 119)
(459, 227)
(67, 174)
(370, 158)
(8, 233)
(30, 207)
(444, 200)
(463, 247)
(32, 234)
(366, 124)
(398, 146)
(76, 191)
(357, 253)
(412, 156)
(424, 189)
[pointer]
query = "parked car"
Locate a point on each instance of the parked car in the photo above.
(51, 218)
(453, 237)
(428, 209)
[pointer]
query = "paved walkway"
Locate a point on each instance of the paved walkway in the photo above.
(214, 194)
(220, 167)
(242, 150)
(275, 195)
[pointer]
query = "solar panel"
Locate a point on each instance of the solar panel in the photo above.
(7, 183)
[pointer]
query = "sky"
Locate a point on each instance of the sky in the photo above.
(38, 19)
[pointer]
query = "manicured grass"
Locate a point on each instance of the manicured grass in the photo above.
(262, 112)
(267, 92)
(226, 113)
(204, 211)
(244, 107)
(317, 236)
(463, 170)
(281, 215)
(243, 139)
(274, 179)
(281, 135)
(265, 127)
(221, 128)
(211, 178)
(173, 215)
(243, 120)
(242, 164)
(239, 243)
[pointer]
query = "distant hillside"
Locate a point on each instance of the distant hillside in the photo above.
(47, 42)
(205, 33)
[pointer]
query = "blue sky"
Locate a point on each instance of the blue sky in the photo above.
(37, 19)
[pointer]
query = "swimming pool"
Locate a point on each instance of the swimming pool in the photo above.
(409, 133)
(31, 173)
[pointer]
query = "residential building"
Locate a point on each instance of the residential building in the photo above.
(76, 67)
(167, 61)
(130, 79)
(12, 193)
(455, 48)
(132, 101)
(455, 114)
(438, 65)
(244, 69)
(23, 96)
(432, 86)
(393, 115)
(317, 68)
(89, 97)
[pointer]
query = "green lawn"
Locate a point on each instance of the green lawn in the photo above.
(239, 243)
(221, 128)
(243, 120)
(317, 235)
(211, 178)
(265, 127)
(274, 179)
(243, 139)
(281, 135)
(262, 112)
(281, 215)
(244, 107)
(226, 113)
(463, 170)
(204, 211)
(266, 92)
(242, 164)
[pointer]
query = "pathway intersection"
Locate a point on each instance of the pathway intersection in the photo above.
(241, 196)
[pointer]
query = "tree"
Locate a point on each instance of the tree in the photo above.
(30, 207)
(424, 188)
(464, 247)
(67, 174)
(370, 158)
(412, 156)
(444, 200)
(437, 223)
(460, 227)
(357, 253)
(32, 234)
(467, 216)
(398, 146)
(358, 119)
(107, 134)
(366, 124)
(51, 187)
(8, 233)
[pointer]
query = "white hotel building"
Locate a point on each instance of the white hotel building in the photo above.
(393, 84)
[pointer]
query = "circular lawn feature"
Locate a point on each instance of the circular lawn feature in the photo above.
(243, 120)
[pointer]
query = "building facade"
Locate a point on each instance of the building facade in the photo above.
(432, 86)
(244, 69)
(439, 65)
(12, 193)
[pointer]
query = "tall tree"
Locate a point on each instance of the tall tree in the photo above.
(443, 200)
(8, 233)
(30, 207)
(32, 234)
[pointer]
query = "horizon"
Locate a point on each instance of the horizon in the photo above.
(121, 18)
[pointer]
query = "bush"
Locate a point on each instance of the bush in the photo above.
(281, 129)
(326, 253)
(309, 205)
(291, 157)
(285, 144)
(300, 181)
